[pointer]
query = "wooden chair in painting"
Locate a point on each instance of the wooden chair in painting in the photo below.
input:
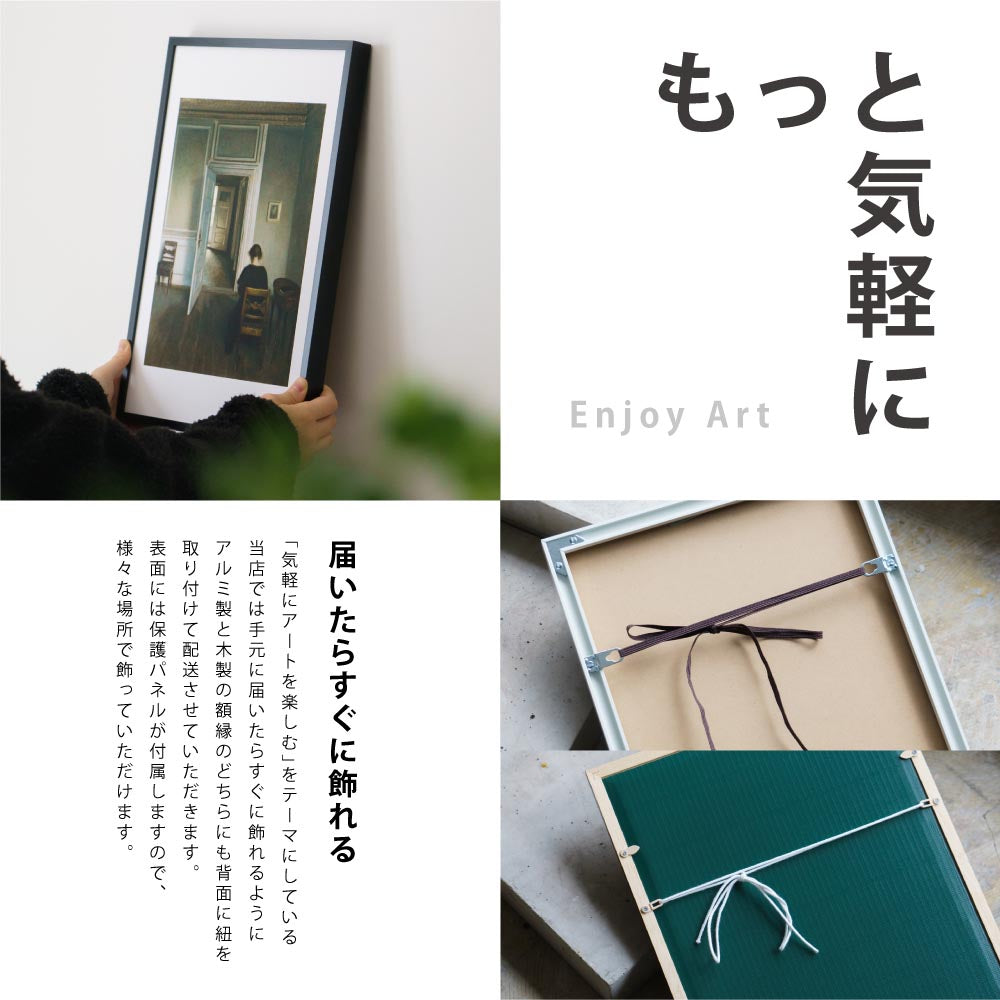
(165, 265)
(286, 302)
(253, 311)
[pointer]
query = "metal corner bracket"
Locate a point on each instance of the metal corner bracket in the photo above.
(556, 546)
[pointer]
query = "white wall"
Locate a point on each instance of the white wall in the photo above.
(419, 289)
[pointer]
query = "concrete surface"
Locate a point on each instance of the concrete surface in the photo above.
(557, 863)
(545, 701)
(951, 554)
(556, 516)
(950, 551)
(559, 872)
(529, 962)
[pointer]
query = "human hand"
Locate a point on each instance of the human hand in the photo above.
(314, 421)
(109, 375)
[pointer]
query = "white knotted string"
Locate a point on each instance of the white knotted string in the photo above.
(725, 885)
(713, 919)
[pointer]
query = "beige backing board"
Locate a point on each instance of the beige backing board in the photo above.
(858, 687)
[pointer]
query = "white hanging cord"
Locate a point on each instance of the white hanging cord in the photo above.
(725, 885)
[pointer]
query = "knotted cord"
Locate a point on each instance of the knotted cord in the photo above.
(728, 621)
(725, 885)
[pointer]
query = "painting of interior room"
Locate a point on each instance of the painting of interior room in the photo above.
(231, 255)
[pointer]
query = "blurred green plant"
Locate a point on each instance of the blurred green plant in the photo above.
(417, 423)
(465, 448)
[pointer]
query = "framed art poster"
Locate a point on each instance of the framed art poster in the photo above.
(833, 874)
(846, 666)
(244, 222)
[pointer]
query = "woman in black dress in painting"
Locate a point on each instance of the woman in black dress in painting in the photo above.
(254, 275)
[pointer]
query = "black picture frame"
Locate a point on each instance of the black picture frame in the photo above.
(357, 57)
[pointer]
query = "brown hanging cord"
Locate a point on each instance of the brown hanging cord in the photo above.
(728, 622)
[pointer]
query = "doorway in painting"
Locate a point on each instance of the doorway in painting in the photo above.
(229, 197)
(225, 225)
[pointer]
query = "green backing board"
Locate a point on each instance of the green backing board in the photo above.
(887, 907)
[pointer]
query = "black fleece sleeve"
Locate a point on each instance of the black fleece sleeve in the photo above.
(61, 442)
(73, 387)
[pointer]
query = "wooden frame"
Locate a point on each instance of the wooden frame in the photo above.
(560, 550)
(332, 193)
(619, 843)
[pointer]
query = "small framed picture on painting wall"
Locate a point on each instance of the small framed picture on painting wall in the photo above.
(244, 223)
